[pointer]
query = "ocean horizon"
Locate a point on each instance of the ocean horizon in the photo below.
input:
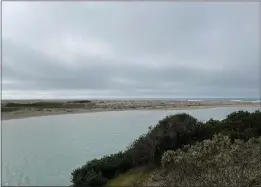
(147, 98)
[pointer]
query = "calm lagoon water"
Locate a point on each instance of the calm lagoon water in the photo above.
(44, 150)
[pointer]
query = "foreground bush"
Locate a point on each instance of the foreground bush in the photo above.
(242, 125)
(216, 162)
(96, 172)
(171, 133)
(92, 178)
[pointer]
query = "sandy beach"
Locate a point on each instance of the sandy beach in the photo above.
(76, 107)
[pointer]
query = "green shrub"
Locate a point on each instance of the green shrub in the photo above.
(242, 125)
(105, 168)
(170, 133)
(91, 178)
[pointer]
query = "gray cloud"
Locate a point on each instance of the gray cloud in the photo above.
(124, 49)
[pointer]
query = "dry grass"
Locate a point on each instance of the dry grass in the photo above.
(134, 177)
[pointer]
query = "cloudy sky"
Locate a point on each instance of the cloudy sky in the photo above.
(130, 49)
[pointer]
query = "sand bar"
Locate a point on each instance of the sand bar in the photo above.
(87, 106)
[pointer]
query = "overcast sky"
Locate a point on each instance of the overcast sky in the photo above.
(130, 49)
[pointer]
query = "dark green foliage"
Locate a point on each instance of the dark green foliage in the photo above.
(98, 171)
(170, 133)
(242, 125)
(9, 109)
(92, 178)
(36, 105)
(239, 115)
(82, 101)
(43, 105)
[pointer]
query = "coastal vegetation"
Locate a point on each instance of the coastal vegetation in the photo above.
(9, 109)
(12, 106)
(183, 151)
(36, 105)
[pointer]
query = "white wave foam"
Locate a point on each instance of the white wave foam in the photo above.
(257, 101)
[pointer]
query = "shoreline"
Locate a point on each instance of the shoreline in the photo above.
(29, 114)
